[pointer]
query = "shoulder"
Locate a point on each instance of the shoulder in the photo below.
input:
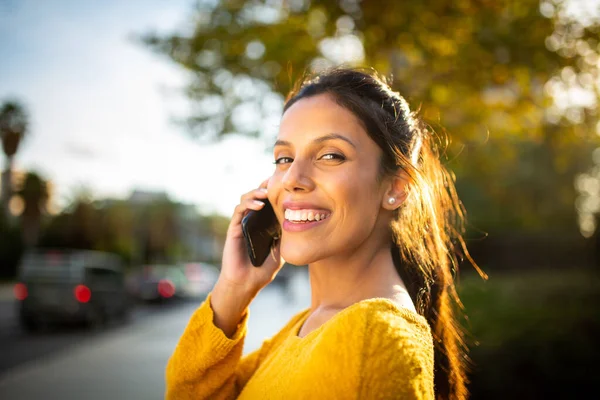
(397, 353)
(393, 322)
(381, 323)
(386, 350)
(385, 316)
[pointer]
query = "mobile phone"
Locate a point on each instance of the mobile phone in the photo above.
(260, 229)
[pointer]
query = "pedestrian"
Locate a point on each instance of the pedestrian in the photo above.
(365, 202)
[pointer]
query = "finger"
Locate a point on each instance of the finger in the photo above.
(248, 204)
(241, 209)
(260, 193)
(264, 183)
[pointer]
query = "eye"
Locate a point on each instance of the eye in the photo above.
(283, 160)
(332, 157)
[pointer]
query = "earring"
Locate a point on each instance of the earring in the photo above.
(391, 200)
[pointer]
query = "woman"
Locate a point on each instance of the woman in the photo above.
(363, 201)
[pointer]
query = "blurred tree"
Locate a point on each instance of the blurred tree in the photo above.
(161, 231)
(214, 225)
(117, 223)
(84, 229)
(78, 226)
(483, 71)
(214, 228)
(156, 230)
(13, 127)
(34, 192)
(54, 232)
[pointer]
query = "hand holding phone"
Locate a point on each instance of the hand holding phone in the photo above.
(260, 229)
(239, 280)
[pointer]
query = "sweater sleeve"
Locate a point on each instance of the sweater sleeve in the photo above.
(397, 359)
(206, 364)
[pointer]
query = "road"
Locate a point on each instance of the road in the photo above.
(120, 361)
(18, 347)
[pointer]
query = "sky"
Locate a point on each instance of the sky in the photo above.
(101, 105)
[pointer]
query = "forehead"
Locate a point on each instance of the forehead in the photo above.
(320, 115)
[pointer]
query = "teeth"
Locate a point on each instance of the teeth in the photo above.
(303, 215)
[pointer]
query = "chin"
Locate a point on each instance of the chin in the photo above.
(297, 255)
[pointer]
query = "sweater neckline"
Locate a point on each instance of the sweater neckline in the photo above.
(381, 301)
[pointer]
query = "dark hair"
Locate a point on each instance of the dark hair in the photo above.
(427, 228)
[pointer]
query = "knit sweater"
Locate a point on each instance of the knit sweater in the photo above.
(370, 350)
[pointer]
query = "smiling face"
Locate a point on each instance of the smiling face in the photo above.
(325, 190)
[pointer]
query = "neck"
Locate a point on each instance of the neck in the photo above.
(339, 282)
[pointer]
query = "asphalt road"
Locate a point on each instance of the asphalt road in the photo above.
(120, 361)
(18, 347)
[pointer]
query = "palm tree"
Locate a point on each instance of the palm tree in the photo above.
(13, 127)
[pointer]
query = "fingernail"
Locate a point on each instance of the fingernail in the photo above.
(258, 202)
(264, 190)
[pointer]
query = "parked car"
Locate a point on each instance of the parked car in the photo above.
(156, 282)
(199, 280)
(60, 285)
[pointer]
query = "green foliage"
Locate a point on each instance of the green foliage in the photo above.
(156, 231)
(535, 329)
(214, 224)
(477, 70)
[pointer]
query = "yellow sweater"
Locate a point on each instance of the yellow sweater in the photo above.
(370, 350)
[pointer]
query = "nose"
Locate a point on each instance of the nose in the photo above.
(297, 177)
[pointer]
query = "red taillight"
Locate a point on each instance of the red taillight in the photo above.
(82, 293)
(166, 288)
(20, 291)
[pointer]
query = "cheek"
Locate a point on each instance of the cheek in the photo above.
(273, 192)
(273, 184)
(356, 191)
(359, 203)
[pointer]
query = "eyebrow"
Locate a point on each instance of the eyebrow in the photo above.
(321, 139)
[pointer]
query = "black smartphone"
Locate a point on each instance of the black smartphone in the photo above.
(260, 229)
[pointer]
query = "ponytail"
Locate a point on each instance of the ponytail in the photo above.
(427, 241)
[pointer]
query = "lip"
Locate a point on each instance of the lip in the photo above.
(301, 205)
(289, 226)
(300, 227)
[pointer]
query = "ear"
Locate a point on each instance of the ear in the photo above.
(397, 191)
